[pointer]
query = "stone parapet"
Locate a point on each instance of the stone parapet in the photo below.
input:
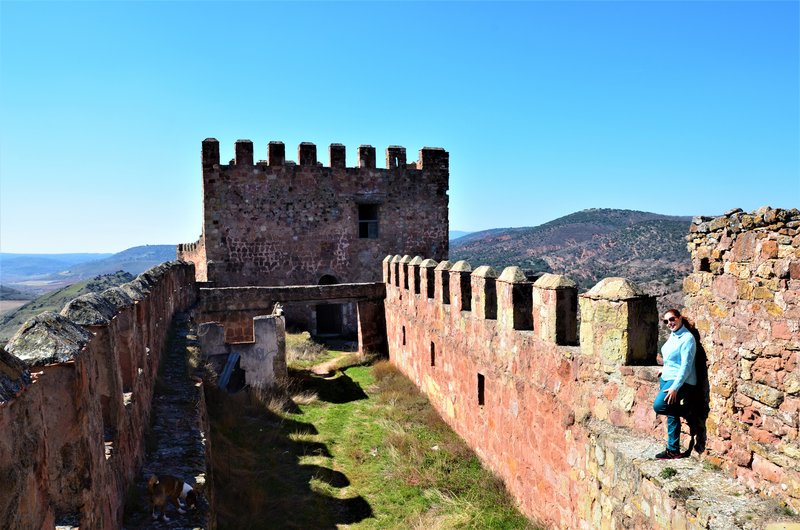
(619, 324)
(86, 411)
(555, 298)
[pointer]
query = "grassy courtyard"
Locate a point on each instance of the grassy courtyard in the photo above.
(354, 447)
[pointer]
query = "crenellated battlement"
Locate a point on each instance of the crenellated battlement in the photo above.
(429, 157)
(549, 306)
(534, 376)
(280, 222)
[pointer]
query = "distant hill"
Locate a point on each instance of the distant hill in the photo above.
(21, 266)
(134, 260)
(56, 300)
(455, 234)
(9, 293)
(42, 273)
(589, 245)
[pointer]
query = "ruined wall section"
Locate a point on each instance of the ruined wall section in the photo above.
(234, 308)
(74, 437)
(744, 297)
(276, 222)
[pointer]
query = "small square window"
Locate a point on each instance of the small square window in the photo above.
(368, 221)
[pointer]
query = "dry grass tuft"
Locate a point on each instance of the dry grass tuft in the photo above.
(302, 350)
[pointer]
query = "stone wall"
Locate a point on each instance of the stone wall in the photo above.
(744, 297)
(235, 307)
(496, 355)
(276, 222)
(73, 437)
(263, 360)
(506, 375)
(195, 253)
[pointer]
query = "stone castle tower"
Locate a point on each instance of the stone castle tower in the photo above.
(276, 222)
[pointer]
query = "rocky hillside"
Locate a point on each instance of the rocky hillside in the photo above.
(56, 300)
(589, 245)
(9, 293)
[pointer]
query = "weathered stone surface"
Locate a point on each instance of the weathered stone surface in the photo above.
(484, 271)
(118, 298)
(554, 281)
(90, 309)
(461, 266)
(512, 274)
(301, 222)
(764, 394)
(748, 321)
(14, 376)
(48, 338)
(614, 289)
(443, 265)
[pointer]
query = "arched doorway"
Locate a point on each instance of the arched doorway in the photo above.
(329, 316)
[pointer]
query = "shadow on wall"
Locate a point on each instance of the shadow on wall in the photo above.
(261, 479)
(700, 405)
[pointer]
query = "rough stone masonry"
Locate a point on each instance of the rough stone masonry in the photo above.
(275, 222)
(570, 428)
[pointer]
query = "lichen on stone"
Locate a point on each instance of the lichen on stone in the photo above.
(14, 376)
(554, 281)
(614, 289)
(512, 274)
(118, 298)
(90, 309)
(48, 338)
(461, 266)
(484, 271)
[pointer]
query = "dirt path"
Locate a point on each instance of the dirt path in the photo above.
(331, 365)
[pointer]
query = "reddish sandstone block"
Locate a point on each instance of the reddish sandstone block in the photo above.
(780, 330)
(725, 287)
(769, 249)
(767, 470)
(744, 248)
(794, 270)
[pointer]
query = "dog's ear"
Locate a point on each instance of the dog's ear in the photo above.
(191, 499)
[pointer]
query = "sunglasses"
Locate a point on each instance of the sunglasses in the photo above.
(669, 320)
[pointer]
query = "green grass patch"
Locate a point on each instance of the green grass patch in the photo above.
(668, 472)
(369, 452)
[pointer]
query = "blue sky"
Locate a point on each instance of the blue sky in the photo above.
(546, 108)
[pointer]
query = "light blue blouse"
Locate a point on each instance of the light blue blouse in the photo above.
(678, 354)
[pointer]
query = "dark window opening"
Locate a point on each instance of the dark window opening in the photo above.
(368, 221)
(481, 386)
(433, 354)
(404, 335)
(705, 266)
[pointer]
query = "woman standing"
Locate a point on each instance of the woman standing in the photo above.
(676, 382)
